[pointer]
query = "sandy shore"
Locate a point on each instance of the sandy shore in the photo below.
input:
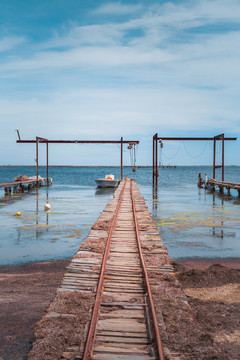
(26, 292)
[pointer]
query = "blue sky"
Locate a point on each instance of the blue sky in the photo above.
(102, 70)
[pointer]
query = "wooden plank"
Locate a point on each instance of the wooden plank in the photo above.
(138, 350)
(99, 356)
(122, 340)
(121, 325)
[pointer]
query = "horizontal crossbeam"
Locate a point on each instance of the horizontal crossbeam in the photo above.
(40, 140)
(195, 138)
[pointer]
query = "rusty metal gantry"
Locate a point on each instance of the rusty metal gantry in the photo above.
(47, 141)
(214, 139)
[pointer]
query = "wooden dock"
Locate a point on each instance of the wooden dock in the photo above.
(111, 284)
(211, 184)
(21, 186)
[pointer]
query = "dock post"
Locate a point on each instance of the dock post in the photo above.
(47, 162)
(153, 167)
(199, 180)
(37, 161)
(156, 158)
(222, 157)
(155, 170)
(214, 158)
(206, 179)
(121, 158)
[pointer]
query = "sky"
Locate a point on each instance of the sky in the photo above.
(99, 70)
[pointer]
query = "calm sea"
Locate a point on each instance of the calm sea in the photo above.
(193, 223)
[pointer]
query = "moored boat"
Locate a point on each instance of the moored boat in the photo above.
(109, 181)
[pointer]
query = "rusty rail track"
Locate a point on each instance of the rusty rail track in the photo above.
(124, 323)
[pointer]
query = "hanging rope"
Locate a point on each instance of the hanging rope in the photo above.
(132, 149)
(195, 156)
(134, 156)
(160, 156)
(210, 144)
(218, 147)
(119, 147)
(171, 157)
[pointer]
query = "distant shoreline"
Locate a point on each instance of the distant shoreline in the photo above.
(109, 166)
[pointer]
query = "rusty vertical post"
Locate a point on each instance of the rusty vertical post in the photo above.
(37, 160)
(156, 159)
(199, 180)
(153, 167)
(47, 162)
(121, 158)
(222, 157)
(214, 158)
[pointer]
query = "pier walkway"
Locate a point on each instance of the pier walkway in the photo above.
(21, 186)
(109, 293)
(211, 184)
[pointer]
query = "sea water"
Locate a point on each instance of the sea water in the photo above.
(193, 222)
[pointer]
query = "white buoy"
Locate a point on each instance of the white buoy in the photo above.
(47, 207)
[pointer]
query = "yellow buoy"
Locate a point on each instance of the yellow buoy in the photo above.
(18, 213)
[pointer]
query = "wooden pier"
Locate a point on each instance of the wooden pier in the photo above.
(21, 186)
(109, 297)
(211, 184)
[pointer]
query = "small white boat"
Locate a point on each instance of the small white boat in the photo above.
(109, 181)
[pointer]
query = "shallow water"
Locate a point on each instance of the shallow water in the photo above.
(193, 223)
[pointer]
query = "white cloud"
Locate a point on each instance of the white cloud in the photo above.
(8, 43)
(154, 71)
(132, 110)
(111, 45)
(117, 8)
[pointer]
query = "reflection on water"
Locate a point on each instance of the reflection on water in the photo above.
(197, 223)
(193, 222)
(154, 201)
(214, 232)
(105, 191)
(39, 235)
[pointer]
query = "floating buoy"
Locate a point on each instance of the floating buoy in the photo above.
(47, 206)
(18, 213)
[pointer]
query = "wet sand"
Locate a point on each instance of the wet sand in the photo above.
(202, 264)
(26, 292)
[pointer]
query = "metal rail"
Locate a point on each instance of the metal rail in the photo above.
(39, 140)
(158, 341)
(92, 326)
(159, 353)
